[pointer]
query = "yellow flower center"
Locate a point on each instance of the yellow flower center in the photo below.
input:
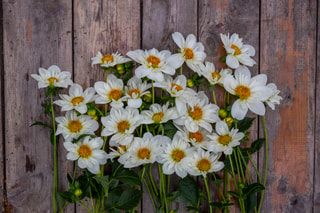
(176, 86)
(196, 114)
(224, 139)
(243, 92)
(136, 91)
(123, 126)
(77, 100)
(121, 148)
(84, 151)
(215, 75)
(177, 155)
(115, 94)
(197, 136)
(107, 58)
(237, 51)
(52, 80)
(74, 126)
(157, 117)
(204, 164)
(188, 53)
(144, 153)
(153, 60)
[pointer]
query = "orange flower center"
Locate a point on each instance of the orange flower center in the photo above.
(74, 126)
(107, 58)
(153, 60)
(197, 136)
(144, 153)
(52, 80)
(196, 114)
(157, 117)
(176, 86)
(215, 75)
(136, 91)
(204, 164)
(77, 100)
(84, 151)
(237, 51)
(243, 92)
(123, 126)
(121, 148)
(224, 139)
(177, 155)
(115, 94)
(188, 53)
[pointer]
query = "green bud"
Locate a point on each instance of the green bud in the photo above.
(94, 117)
(241, 186)
(147, 97)
(229, 121)
(190, 82)
(120, 68)
(223, 113)
(91, 112)
(78, 192)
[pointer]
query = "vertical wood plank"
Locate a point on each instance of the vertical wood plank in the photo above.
(106, 26)
(288, 57)
(2, 154)
(161, 18)
(36, 34)
(241, 17)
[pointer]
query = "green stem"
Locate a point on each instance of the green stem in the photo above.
(84, 206)
(214, 95)
(55, 168)
(220, 190)
(168, 184)
(244, 162)
(266, 161)
(152, 181)
(152, 93)
(149, 192)
(224, 99)
(74, 171)
(255, 167)
(208, 192)
(238, 162)
(181, 70)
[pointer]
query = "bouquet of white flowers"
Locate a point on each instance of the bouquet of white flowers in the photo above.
(160, 117)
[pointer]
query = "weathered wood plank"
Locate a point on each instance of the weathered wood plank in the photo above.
(241, 17)
(161, 18)
(36, 34)
(288, 57)
(106, 26)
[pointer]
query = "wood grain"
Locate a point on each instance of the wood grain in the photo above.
(2, 155)
(36, 34)
(161, 18)
(106, 26)
(288, 57)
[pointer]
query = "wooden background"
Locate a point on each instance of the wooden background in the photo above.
(39, 33)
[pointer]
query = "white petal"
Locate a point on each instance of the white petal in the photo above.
(257, 107)
(232, 62)
(239, 110)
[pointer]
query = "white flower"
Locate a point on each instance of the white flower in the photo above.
(77, 99)
(214, 77)
(237, 51)
(274, 98)
(174, 157)
(225, 140)
(109, 60)
(121, 123)
(144, 150)
(202, 163)
(72, 126)
(117, 151)
(199, 114)
(53, 77)
(112, 91)
(191, 51)
(88, 153)
(135, 89)
(158, 114)
(153, 63)
(252, 92)
(198, 139)
(177, 88)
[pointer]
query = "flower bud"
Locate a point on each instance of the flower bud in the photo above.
(94, 117)
(229, 121)
(78, 192)
(241, 186)
(147, 97)
(190, 82)
(120, 68)
(91, 112)
(223, 113)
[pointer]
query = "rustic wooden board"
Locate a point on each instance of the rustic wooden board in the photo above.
(160, 19)
(241, 17)
(288, 57)
(106, 26)
(2, 155)
(36, 34)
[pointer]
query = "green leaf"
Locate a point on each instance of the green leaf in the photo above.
(69, 179)
(128, 177)
(245, 124)
(256, 145)
(170, 129)
(176, 197)
(67, 196)
(250, 203)
(104, 181)
(60, 200)
(241, 164)
(188, 188)
(234, 194)
(192, 208)
(39, 123)
(224, 58)
(253, 188)
(112, 200)
(220, 205)
(129, 199)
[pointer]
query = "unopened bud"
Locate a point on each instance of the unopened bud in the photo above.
(78, 192)
(223, 113)
(120, 68)
(190, 82)
(94, 117)
(91, 112)
(229, 121)
(147, 97)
